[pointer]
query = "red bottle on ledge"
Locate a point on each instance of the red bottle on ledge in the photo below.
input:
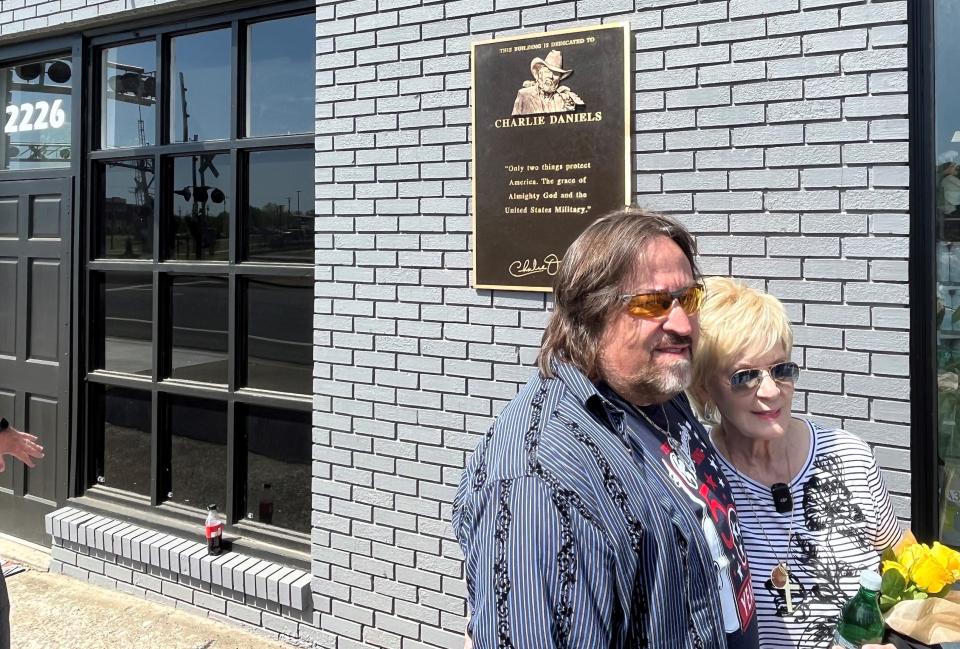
(213, 529)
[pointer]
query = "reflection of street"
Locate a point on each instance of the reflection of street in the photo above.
(128, 355)
(126, 458)
(199, 475)
(279, 343)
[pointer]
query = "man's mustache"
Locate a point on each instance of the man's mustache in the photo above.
(671, 340)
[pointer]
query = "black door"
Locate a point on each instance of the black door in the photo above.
(34, 346)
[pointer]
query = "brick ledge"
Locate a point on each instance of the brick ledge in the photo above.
(181, 559)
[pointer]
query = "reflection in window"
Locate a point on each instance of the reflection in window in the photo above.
(126, 321)
(278, 468)
(126, 439)
(947, 134)
(200, 86)
(279, 334)
(198, 452)
(126, 209)
(278, 224)
(36, 123)
(128, 95)
(198, 314)
(281, 92)
(200, 225)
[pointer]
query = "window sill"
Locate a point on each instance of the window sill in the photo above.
(180, 559)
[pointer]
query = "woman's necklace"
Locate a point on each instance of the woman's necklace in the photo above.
(780, 575)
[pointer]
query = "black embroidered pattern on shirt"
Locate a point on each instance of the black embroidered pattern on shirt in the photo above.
(480, 477)
(531, 443)
(531, 439)
(610, 482)
(828, 508)
(567, 566)
(501, 576)
(635, 530)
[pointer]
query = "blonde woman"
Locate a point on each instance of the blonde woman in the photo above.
(813, 510)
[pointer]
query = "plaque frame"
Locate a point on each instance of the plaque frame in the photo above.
(627, 115)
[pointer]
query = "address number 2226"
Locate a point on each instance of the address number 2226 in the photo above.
(37, 116)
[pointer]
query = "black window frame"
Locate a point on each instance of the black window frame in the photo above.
(155, 510)
(924, 409)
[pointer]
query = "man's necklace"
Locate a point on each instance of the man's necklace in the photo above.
(780, 575)
(674, 443)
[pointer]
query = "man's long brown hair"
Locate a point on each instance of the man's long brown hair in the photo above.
(591, 279)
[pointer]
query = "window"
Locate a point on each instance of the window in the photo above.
(37, 119)
(200, 271)
(200, 86)
(124, 424)
(278, 216)
(125, 209)
(281, 72)
(128, 95)
(199, 221)
(946, 208)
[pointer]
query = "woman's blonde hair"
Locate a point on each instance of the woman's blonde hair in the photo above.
(734, 320)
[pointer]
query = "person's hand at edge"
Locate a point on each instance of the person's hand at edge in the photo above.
(20, 445)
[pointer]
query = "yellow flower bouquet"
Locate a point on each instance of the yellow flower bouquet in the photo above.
(916, 594)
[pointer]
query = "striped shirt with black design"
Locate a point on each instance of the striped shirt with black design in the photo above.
(842, 521)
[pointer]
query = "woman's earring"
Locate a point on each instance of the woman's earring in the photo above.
(710, 411)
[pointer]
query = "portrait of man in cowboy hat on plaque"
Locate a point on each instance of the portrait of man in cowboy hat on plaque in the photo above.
(545, 94)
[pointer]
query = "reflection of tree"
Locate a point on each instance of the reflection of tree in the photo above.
(200, 226)
(132, 222)
(273, 227)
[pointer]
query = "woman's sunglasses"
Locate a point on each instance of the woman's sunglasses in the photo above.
(750, 379)
(659, 303)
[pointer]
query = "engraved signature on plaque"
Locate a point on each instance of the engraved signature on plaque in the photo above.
(545, 94)
(523, 267)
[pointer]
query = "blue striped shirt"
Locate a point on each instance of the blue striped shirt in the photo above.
(572, 539)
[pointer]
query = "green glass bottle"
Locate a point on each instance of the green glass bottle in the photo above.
(861, 621)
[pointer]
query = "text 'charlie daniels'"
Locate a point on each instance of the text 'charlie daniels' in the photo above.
(540, 120)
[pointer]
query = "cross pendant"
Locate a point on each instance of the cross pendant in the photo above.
(780, 576)
(787, 589)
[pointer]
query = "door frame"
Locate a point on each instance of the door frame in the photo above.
(10, 54)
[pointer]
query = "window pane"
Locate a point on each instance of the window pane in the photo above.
(199, 227)
(198, 313)
(126, 209)
(281, 76)
(126, 439)
(278, 224)
(279, 315)
(126, 322)
(198, 452)
(38, 111)
(200, 86)
(128, 95)
(278, 468)
(947, 134)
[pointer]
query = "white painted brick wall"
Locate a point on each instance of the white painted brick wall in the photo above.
(776, 129)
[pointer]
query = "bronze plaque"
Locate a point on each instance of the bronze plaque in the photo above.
(551, 147)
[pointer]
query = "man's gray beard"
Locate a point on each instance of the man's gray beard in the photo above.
(660, 384)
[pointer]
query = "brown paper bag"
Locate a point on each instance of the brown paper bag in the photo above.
(930, 621)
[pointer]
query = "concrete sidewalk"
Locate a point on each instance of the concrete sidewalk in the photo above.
(50, 611)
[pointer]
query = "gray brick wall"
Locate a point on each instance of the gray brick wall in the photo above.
(20, 18)
(776, 129)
